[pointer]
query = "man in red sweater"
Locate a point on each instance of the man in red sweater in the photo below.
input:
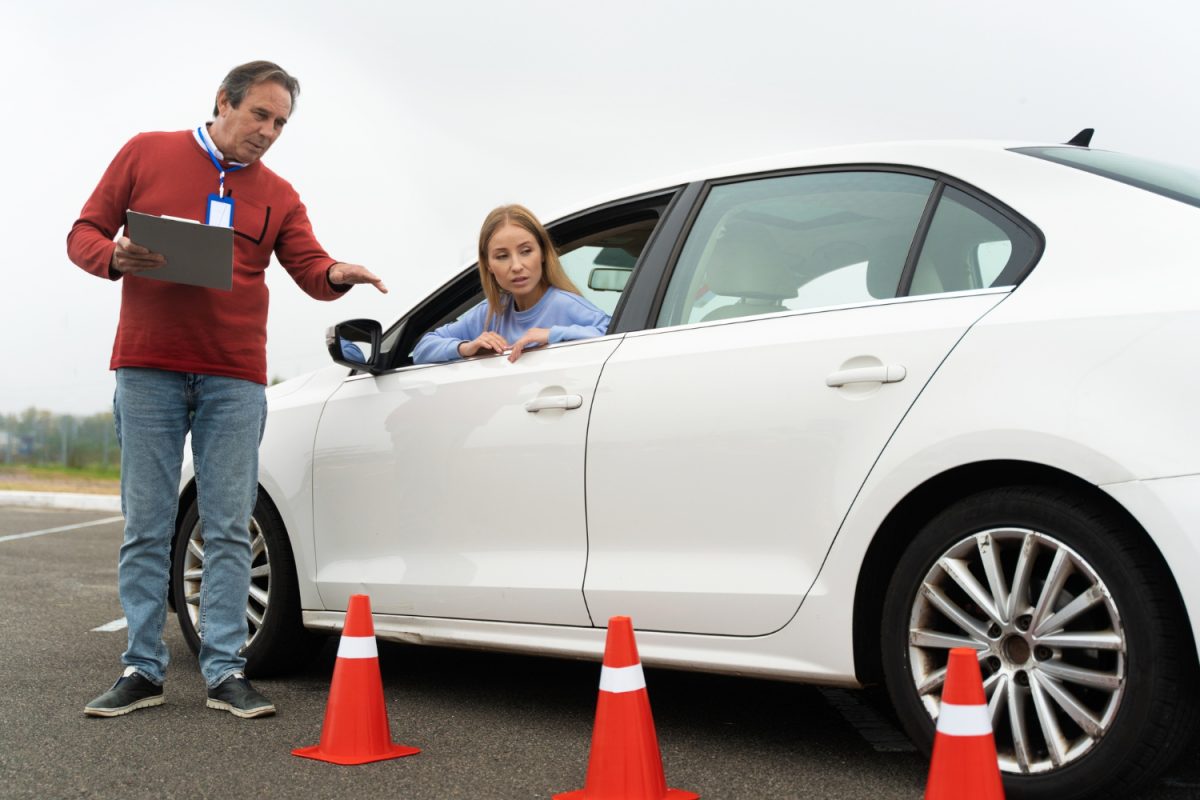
(191, 359)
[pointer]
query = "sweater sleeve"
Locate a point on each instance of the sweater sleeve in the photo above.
(90, 243)
(441, 344)
(302, 256)
(581, 320)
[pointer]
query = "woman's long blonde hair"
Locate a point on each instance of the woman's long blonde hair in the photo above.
(552, 272)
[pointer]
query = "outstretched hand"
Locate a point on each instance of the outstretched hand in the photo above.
(342, 274)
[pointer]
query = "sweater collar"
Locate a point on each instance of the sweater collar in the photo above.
(201, 130)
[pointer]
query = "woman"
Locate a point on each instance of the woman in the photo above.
(529, 301)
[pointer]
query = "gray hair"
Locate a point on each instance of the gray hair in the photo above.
(242, 78)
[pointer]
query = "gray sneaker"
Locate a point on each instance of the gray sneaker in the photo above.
(238, 697)
(131, 692)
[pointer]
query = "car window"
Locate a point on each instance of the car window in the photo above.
(600, 264)
(969, 246)
(794, 242)
(598, 251)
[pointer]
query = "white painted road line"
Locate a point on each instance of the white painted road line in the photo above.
(31, 534)
(115, 625)
(878, 732)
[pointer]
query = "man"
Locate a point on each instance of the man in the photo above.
(194, 359)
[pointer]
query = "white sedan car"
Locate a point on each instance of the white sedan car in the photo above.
(855, 408)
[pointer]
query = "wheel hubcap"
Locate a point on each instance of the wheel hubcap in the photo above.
(1049, 638)
(260, 579)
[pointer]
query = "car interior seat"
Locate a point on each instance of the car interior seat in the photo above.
(747, 263)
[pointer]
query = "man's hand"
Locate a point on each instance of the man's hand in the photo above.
(130, 258)
(341, 274)
(532, 338)
(488, 340)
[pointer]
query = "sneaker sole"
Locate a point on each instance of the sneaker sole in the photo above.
(146, 702)
(261, 711)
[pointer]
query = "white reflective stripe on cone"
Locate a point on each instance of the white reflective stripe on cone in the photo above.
(955, 720)
(622, 679)
(357, 647)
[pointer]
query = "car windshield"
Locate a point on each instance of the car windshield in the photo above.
(1169, 180)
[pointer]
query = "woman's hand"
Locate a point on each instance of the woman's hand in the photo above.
(488, 340)
(532, 338)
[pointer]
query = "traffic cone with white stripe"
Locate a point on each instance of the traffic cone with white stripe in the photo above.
(964, 765)
(356, 724)
(625, 763)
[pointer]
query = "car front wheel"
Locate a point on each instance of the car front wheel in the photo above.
(1078, 638)
(276, 639)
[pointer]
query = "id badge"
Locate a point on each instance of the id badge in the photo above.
(220, 211)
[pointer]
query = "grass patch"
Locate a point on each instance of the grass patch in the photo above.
(89, 480)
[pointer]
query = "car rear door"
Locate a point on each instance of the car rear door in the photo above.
(727, 443)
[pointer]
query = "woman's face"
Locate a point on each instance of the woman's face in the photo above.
(515, 259)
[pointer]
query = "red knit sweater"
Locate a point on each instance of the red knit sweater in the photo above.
(187, 328)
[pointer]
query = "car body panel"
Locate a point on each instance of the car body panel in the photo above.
(438, 493)
(752, 458)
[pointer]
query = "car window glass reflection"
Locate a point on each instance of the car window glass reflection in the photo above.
(795, 242)
(969, 246)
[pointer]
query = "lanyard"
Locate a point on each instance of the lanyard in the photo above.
(216, 163)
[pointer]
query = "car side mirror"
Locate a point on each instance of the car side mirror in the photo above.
(355, 343)
(609, 279)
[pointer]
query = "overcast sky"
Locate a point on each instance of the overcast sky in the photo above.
(415, 119)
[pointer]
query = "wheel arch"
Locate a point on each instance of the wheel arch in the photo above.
(937, 493)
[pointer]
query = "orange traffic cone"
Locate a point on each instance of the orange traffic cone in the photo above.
(964, 765)
(356, 724)
(625, 763)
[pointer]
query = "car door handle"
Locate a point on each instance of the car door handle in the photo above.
(563, 401)
(884, 373)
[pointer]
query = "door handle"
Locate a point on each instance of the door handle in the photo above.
(563, 401)
(884, 373)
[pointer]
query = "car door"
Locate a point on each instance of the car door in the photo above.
(457, 490)
(727, 442)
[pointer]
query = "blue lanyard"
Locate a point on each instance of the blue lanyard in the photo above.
(221, 170)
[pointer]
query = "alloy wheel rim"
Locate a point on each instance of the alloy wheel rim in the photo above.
(260, 579)
(1049, 638)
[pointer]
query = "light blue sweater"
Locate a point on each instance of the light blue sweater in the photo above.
(567, 315)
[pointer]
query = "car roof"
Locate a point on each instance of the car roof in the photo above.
(941, 155)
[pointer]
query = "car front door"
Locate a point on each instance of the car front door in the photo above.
(457, 490)
(727, 443)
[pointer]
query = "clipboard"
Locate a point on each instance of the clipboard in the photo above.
(197, 254)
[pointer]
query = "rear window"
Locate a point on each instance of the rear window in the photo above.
(1169, 180)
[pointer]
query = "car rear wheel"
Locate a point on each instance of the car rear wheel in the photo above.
(1079, 642)
(276, 639)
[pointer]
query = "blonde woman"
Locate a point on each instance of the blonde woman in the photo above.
(529, 301)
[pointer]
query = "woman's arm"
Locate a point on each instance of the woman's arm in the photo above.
(441, 344)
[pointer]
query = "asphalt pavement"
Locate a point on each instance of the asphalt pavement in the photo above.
(489, 725)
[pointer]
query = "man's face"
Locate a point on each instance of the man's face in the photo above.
(246, 132)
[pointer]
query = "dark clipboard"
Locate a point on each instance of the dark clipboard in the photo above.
(197, 254)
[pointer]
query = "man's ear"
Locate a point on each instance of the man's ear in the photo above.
(222, 102)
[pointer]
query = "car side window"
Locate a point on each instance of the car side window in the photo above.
(970, 246)
(598, 252)
(600, 264)
(795, 242)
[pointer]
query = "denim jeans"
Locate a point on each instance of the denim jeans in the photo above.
(154, 411)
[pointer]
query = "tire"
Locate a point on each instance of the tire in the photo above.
(277, 641)
(1136, 704)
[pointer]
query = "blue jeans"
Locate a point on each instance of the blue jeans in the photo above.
(154, 411)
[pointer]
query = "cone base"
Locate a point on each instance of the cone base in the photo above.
(393, 751)
(672, 794)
